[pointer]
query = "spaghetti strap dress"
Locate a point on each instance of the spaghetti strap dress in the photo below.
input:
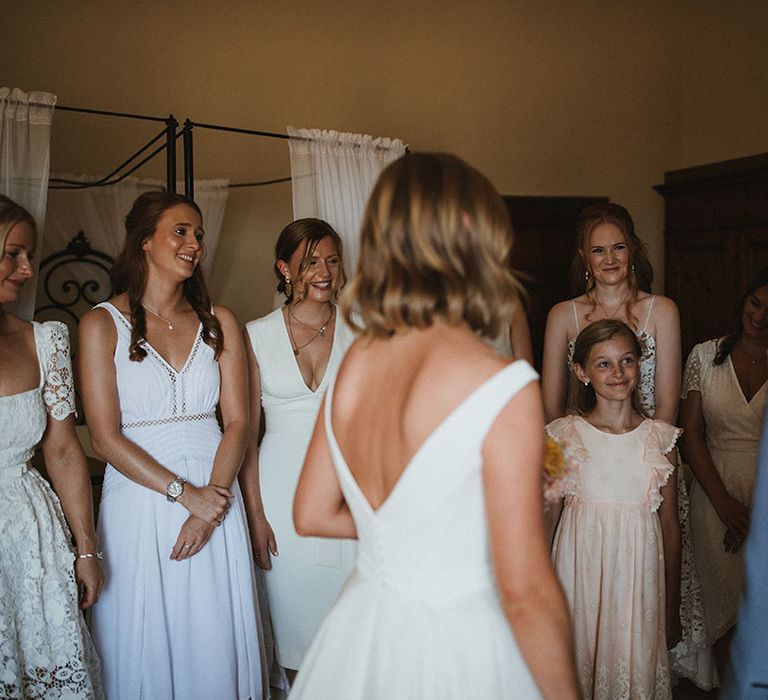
(420, 616)
(184, 630)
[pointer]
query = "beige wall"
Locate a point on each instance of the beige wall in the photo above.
(561, 98)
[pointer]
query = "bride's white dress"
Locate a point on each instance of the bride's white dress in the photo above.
(420, 616)
(45, 648)
(173, 629)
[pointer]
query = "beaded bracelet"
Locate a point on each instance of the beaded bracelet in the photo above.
(91, 555)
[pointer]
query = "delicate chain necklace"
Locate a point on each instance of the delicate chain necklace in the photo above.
(319, 332)
(616, 310)
(169, 321)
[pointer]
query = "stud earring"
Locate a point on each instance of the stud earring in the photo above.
(288, 286)
(586, 383)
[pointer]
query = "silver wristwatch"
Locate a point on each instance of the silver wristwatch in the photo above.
(174, 489)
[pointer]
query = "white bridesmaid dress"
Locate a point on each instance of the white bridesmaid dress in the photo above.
(45, 648)
(173, 629)
(308, 573)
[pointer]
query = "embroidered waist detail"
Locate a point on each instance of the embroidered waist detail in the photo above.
(186, 417)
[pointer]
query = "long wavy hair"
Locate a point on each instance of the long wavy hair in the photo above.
(640, 270)
(129, 272)
(594, 333)
(727, 343)
(435, 243)
(10, 215)
(291, 237)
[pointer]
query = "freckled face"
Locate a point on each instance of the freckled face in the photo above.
(176, 246)
(16, 261)
(612, 367)
(607, 257)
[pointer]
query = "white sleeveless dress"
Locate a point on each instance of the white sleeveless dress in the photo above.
(308, 573)
(45, 648)
(173, 629)
(420, 616)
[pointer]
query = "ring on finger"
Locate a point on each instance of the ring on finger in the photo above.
(187, 546)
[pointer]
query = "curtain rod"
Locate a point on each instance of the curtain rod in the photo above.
(236, 130)
(276, 181)
(106, 113)
(253, 132)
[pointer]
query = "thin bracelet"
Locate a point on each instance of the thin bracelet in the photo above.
(91, 555)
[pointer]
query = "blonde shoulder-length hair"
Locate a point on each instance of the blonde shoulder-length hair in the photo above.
(435, 244)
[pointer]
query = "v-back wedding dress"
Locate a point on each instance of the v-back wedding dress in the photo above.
(420, 616)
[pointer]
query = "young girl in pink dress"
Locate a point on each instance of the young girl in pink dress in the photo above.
(617, 545)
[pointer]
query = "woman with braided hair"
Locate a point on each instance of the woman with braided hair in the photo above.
(178, 615)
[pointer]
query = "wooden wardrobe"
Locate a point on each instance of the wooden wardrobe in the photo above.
(715, 241)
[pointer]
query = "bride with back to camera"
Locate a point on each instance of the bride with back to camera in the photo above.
(428, 448)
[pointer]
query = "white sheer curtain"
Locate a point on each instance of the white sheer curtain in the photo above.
(333, 174)
(100, 213)
(25, 137)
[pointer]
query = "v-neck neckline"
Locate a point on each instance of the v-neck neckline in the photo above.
(295, 360)
(423, 446)
(156, 352)
(747, 401)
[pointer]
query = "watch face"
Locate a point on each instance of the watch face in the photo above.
(175, 489)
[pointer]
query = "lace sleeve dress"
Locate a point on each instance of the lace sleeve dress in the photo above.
(45, 648)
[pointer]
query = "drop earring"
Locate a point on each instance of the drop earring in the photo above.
(288, 287)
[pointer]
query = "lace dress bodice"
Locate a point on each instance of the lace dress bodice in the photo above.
(45, 648)
(23, 416)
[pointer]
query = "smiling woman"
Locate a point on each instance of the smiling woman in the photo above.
(46, 648)
(612, 267)
(293, 352)
(152, 385)
(723, 400)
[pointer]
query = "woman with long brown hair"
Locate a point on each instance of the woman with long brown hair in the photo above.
(157, 361)
(293, 352)
(613, 270)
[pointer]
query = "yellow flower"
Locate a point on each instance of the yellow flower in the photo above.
(554, 460)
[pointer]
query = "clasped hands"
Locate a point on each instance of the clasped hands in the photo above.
(735, 516)
(207, 506)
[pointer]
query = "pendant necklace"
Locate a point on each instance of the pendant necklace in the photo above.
(168, 321)
(319, 332)
(616, 310)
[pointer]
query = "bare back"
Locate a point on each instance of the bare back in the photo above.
(392, 394)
